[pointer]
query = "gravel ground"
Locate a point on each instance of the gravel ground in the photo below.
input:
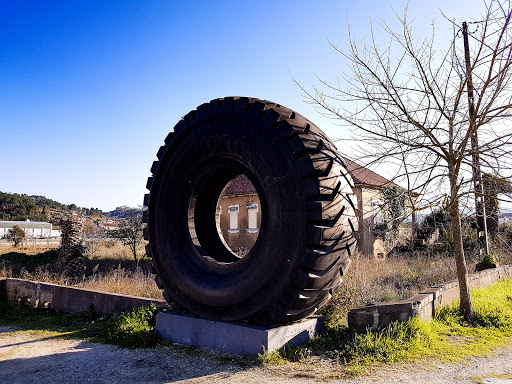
(27, 357)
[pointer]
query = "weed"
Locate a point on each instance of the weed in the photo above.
(271, 357)
(134, 329)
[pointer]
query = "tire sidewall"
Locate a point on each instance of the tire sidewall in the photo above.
(239, 289)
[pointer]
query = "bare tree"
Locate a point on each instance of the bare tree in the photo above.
(130, 232)
(94, 236)
(407, 104)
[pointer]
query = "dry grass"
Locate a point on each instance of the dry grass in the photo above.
(120, 280)
(370, 281)
(30, 248)
(113, 249)
(111, 268)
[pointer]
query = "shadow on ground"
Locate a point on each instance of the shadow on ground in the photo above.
(29, 358)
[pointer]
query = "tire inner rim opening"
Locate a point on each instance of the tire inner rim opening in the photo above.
(224, 221)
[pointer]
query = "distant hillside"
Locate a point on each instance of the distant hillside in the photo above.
(123, 212)
(18, 207)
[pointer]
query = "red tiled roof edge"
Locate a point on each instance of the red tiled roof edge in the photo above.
(363, 176)
(241, 185)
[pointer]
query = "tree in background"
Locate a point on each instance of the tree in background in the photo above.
(16, 235)
(130, 232)
(407, 104)
(93, 237)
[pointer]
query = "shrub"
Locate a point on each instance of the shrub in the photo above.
(16, 235)
(134, 329)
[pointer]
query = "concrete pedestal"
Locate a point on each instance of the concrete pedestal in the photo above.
(235, 338)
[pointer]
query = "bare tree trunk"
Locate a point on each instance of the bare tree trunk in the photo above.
(133, 247)
(466, 308)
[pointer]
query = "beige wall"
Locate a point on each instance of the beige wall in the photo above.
(243, 236)
(370, 242)
(366, 239)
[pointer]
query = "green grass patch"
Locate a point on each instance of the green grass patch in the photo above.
(134, 329)
(447, 337)
(129, 330)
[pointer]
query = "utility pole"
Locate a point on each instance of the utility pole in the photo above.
(481, 219)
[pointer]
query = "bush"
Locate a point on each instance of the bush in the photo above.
(134, 329)
(16, 235)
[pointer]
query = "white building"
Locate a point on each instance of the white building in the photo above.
(31, 228)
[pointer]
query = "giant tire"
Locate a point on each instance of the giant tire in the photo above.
(307, 206)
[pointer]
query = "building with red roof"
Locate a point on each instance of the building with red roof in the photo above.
(239, 215)
(371, 211)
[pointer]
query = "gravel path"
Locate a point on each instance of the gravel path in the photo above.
(27, 357)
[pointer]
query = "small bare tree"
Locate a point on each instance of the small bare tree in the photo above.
(130, 233)
(93, 238)
(407, 104)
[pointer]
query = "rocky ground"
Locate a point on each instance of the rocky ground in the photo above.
(28, 357)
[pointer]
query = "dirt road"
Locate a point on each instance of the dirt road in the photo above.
(27, 357)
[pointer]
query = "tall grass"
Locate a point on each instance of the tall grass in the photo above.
(119, 280)
(398, 278)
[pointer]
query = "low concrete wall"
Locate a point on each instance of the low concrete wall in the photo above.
(69, 299)
(423, 304)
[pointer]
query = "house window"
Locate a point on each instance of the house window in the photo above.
(377, 211)
(233, 211)
(252, 212)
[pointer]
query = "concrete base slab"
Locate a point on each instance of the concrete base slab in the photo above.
(235, 338)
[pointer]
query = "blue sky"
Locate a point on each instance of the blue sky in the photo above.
(90, 89)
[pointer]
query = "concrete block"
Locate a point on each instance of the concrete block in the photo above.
(235, 338)
(395, 306)
(70, 299)
(359, 319)
(401, 312)
(423, 298)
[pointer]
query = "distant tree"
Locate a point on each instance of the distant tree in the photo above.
(19, 207)
(96, 212)
(130, 233)
(16, 235)
(93, 237)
